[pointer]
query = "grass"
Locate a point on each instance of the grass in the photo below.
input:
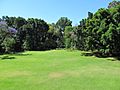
(58, 70)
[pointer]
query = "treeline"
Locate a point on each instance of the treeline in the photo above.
(18, 34)
(99, 33)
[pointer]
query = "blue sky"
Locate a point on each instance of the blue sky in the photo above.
(51, 10)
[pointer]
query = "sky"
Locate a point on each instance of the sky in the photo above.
(51, 10)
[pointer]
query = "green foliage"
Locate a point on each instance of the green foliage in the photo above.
(8, 44)
(67, 36)
(100, 32)
(60, 27)
(7, 39)
(63, 22)
(29, 37)
(35, 34)
(114, 3)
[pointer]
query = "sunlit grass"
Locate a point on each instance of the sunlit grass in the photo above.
(58, 70)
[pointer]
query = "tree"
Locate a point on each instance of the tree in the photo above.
(67, 36)
(60, 26)
(51, 37)
(114, 3)
(35, 34)
(90, 15)
(29, 37)
(100, 31)
(19, 22)
(7, 38)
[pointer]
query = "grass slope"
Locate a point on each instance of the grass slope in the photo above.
(58, 70)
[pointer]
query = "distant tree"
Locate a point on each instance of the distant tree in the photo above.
(29, 37)
(113, 3)
(35, 34)
(63, 22)
(19, 22)
(60, 27)
(67, 36)
(7, 37)
(90, 15)
(51, 38)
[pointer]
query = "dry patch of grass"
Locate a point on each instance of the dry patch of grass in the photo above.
(65, 74)
(15, 74)
(90, 71)
(56, 75)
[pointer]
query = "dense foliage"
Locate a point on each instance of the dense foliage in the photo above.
(99, 32)
(31, 34)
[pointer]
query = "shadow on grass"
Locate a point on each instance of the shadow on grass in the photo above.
(21, 54)
(100, 55)
(87, 54)
(12, 56)
(117, 58)
(6, 57)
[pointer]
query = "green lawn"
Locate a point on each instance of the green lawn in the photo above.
(58, 70)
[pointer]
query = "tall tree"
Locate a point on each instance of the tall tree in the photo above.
(60, 26)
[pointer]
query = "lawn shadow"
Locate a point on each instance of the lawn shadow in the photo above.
(6, 57)
(12, 56)
(117, 58)
(100, 55)
(87, 54)
(21, 54)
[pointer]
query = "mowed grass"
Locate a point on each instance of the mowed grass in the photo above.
(58, 70)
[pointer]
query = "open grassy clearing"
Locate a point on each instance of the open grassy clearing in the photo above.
(58, 70)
